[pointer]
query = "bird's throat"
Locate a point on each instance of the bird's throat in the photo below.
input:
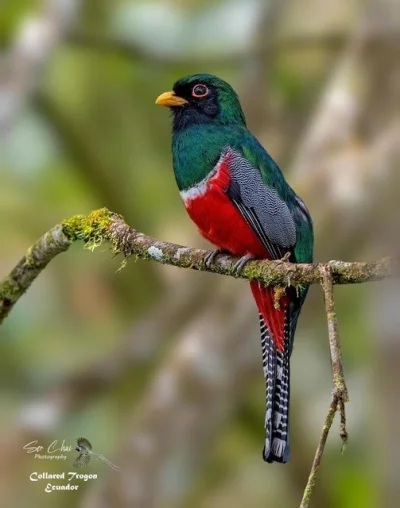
(196, 151)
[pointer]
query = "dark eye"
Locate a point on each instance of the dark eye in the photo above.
(200, 91)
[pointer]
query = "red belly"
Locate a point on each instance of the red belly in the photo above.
(220, 222)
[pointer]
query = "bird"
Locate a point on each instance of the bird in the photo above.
(240, 201)
(84, 448)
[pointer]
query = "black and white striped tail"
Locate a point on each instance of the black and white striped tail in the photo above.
(277, 377)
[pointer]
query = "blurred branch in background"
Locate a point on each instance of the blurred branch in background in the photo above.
(36, 41)
(342, 146)
(201, 376)
(139, 345)
(259, 63)
(93, 167)
(128, 49)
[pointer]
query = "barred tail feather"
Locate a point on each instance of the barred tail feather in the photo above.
(277, 377)
(277, 373)
(269, 366)
(280, 448)
(277, 327)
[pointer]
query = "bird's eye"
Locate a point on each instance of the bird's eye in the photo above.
(200, 91)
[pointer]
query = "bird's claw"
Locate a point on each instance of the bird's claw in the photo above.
(285, 258)
(210, 257)
(238, 266)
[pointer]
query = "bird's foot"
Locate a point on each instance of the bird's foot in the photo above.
(285, 258)
(238, 266)
(210, 258)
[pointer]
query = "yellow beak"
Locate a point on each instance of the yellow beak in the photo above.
(169, 99)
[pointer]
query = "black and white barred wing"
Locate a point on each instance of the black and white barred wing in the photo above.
(260, 205)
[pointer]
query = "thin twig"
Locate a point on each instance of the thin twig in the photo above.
(339, 383)
(104, 226)
(339, 390)
(318, 454)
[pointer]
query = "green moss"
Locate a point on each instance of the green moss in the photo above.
(254, 271)
(29, 260)
(167, 259)
(9, 289)
(93, 229)
(338, 381)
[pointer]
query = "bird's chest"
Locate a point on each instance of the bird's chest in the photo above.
(218, 220)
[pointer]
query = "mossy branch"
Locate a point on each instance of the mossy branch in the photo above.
(103, 226)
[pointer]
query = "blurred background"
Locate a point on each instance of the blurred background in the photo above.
(160, 368)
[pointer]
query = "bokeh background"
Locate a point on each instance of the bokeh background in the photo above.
(159, 367)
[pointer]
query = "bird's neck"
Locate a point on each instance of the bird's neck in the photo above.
(196, 150)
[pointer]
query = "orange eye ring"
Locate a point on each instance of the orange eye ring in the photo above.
(200, 91)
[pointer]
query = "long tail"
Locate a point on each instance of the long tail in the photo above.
(269, 360)
(280, 447)
(277, 330)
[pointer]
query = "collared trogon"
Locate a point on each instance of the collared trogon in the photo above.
(237, 196)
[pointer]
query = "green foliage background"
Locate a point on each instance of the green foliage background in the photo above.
(90, 136)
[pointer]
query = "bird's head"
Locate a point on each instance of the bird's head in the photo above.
(202, 99)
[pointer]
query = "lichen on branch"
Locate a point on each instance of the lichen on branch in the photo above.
(14, 285)
(103, 226)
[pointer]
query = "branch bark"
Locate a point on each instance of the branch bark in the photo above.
(103, 226)
(339, 391)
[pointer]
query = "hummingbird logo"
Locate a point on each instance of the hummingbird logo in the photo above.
(84, 448)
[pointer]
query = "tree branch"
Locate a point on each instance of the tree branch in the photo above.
(339, 391)
(105, 226)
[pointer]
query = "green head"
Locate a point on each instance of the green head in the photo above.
(202, 99)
